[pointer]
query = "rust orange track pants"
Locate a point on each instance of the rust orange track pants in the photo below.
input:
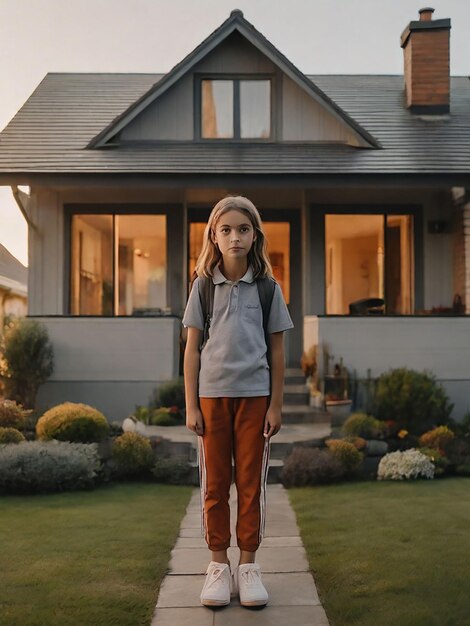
(233, 424)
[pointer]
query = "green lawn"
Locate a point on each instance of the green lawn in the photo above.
(389, 553)
(93, 558)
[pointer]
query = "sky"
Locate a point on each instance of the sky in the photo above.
(318, 36)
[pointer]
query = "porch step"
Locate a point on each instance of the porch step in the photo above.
(304, 414)
(294, 376)
(296, 393)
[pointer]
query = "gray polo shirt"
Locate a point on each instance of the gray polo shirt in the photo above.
(233, 361)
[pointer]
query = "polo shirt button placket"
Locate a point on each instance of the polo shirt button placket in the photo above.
(235, 287)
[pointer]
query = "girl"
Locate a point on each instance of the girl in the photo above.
(233, 395)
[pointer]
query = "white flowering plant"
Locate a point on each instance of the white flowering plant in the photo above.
(405, 465)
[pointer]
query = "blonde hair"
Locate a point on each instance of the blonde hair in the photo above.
(257, 256)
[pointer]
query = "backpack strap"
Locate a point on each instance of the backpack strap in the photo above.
(266, 286)
(206, 297)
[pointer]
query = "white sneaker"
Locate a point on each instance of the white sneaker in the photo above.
(247, 579)
(217, 585)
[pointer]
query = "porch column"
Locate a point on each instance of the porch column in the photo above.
(466, 236)
(461, 221)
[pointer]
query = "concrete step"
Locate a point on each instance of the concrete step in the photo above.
(294, 376)
(300, 388)
(304, 414)
(296, 394)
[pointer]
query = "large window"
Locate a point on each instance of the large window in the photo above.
(369, 264)
(118, 264)
(235, 109)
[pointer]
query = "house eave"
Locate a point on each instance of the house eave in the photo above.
(149, 180)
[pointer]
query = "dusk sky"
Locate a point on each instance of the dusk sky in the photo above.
(318, 36)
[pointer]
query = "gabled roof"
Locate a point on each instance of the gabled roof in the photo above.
(50, 132)
(236, 22)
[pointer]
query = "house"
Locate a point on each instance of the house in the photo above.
(13, 287)
(362, 182)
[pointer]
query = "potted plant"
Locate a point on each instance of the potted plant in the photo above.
(336, 394)
(308, 363)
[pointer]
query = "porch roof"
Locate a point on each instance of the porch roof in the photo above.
(51, 132)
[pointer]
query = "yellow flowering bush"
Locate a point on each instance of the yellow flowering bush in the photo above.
(347, 453)
(10, 435)
(74, 422)
(436, 438)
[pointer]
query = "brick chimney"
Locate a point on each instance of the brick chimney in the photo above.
(425, 46)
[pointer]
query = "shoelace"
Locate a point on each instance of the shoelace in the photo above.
(251, 576)
(215, 576)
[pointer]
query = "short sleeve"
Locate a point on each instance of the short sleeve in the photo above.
(193, 313)
(279, 318)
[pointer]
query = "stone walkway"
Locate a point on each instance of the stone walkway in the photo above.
(293, 598)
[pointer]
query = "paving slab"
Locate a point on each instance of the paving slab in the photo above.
(293, 597)
(201, 616)
(268, 542)
(272, 616)
(291, 589)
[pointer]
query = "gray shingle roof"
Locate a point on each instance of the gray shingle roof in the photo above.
(51, 131)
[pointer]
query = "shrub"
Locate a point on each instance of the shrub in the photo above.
(405, 465)
(10, 435)
(132, 455)
(457, 451)
(436, 438)
(162, 417)
(170, 394)
(143, 414)
(347, 453)
(358, 442)
(440, 461)
(13, 415)
(310, 466)
(414, 399)
(363, 425)
(28, 360)
(175, 471)
(72, 421)
(47, 466)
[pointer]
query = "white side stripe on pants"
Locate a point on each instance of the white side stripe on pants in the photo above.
(201, 461)
(264, 480)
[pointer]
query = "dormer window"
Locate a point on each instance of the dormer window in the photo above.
(235, 108)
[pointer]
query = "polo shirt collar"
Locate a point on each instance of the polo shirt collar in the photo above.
(218, 277)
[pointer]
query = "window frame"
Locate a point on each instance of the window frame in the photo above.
(236, 78)
(113, 209)
(317, 232)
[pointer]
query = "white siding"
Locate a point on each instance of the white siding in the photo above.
(113, 349)
(169, 117)
(111, 364)
(46, 255)
(304, 119)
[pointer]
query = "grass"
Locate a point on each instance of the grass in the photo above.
(389, 553)
(87, 557)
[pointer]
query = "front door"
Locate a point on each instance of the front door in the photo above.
(282, 228)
